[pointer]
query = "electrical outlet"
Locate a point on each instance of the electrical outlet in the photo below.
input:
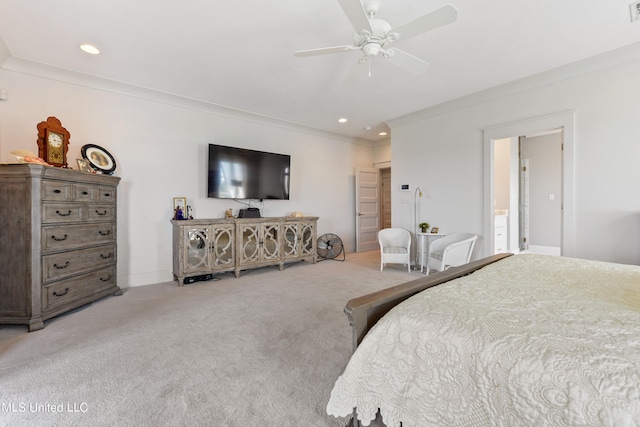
(634, 8)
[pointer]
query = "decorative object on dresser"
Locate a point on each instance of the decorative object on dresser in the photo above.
(84, 166)
(53, 142)
(180, 208)
(99, 158)
(57, 241)
(25, 156)
(209, 246)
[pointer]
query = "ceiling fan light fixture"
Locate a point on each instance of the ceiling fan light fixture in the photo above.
(371, 49)
(342, 120)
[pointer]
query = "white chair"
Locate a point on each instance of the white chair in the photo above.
(395, 247)
(450, 251)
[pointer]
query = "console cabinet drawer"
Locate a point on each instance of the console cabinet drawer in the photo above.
(64, 237)
(69, 290)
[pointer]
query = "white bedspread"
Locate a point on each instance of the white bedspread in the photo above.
(532, 340)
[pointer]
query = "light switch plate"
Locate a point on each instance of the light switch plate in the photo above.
(634, 8)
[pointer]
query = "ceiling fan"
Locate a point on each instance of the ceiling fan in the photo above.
(372, 35)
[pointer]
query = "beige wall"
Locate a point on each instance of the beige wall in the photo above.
(160, 146)
(441, 150)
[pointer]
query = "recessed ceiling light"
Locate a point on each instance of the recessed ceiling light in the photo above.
(383, 134)
(342, 120)
(89, 48)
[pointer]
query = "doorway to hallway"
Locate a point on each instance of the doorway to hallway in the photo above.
(528, 193)
(562, 123)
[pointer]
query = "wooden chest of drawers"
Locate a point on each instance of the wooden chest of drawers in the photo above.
(58, 247)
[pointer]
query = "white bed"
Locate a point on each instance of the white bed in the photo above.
(530, 340)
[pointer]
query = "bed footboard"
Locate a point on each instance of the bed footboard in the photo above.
(363, 312)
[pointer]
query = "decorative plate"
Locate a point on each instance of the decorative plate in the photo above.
(99, 158)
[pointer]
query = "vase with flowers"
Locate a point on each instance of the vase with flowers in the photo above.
(423, 226)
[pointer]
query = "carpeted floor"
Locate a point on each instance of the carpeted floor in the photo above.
(261, 350)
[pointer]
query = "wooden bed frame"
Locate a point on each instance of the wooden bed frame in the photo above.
(363, 312)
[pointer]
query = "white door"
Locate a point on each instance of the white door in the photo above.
(367, 209)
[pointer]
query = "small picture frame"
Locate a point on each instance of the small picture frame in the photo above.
(84, 166)
(434, 230)
(180, 208)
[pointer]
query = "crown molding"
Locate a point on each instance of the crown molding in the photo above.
(589, 65)
(35, 69)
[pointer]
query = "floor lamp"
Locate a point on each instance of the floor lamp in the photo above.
(416, 211)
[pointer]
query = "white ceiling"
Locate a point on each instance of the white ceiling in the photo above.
(239, 53)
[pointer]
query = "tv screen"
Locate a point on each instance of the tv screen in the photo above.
(239, 173)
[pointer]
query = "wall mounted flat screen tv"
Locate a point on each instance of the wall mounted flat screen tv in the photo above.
(239, 173)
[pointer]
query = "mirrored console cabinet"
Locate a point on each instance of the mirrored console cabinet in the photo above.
(204, 247)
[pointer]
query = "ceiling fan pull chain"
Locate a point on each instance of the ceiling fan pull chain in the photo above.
(369, 63)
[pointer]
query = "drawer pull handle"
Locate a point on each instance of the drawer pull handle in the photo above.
(59, 239)
(60, 267)
(64, 214)
(57, 191)
(104, 233)
(103, 213)
(84, 193)
(106, 256)
(107, 194)
(105, 280)
(56, 294)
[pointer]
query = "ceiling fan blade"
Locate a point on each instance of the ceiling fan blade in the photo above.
(438, 18)
(324, 50)
(408, 62)
(356, 14)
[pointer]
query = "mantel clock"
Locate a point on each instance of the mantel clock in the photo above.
(53, 142)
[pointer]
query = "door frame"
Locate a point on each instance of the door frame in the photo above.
(383, 199)
(565, 121)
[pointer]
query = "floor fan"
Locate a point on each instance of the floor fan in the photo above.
(330, 246)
